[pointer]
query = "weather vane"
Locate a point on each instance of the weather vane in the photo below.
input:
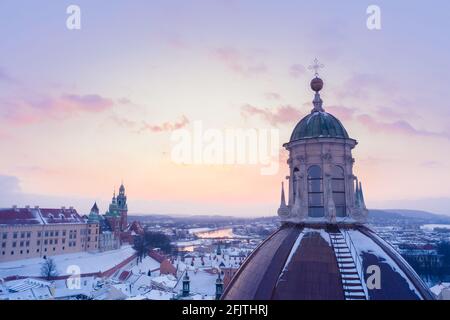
(316, 66)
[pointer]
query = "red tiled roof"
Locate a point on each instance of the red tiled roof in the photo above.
(124, 275)
(156, 255)
(167, 268)
(136, 227)
(13, 216)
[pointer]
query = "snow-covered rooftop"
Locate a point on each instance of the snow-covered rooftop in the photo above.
(87, 262)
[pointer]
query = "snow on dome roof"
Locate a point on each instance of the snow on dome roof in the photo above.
(301, 263)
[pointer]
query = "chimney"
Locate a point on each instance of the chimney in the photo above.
(63, 208)
(14, 207)
(27, 207)
(36, 207)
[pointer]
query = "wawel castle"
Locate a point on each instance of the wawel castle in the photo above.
(32, 232)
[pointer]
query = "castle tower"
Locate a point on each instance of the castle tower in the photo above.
(122, 207)
(113, 216)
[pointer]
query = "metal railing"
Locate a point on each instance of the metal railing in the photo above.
(357, 260)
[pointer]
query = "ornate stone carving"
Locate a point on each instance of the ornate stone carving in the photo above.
(327, 157)
(301, 159)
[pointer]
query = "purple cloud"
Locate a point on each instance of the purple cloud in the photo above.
(398, 127)
(244, 65)
(362, 85)
(7, 78)
(90, 102)
(31, 110)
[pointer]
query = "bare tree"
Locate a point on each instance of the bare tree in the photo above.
(141, 246)
(48, 269)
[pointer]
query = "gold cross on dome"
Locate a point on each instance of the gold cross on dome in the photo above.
(316, 65)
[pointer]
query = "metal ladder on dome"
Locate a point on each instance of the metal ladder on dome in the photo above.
(350, 275)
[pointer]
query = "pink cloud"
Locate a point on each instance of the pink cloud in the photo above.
(397, 113)
(175, 41)
(90, 102)
(245, 65)
(341, 112)
(272, 96)
(297, 70)
(282, 114)
(363, 85)
(124, 122)
(166, 126)
(26, 111)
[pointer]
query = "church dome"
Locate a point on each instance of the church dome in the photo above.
(327, 262)
(319, 124)
(323, 250)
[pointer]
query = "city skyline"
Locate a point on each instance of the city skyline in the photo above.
(83, 109)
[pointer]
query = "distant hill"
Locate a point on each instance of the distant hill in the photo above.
(186, 218)
(377, 215)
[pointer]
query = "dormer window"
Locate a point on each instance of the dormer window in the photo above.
(61, 216)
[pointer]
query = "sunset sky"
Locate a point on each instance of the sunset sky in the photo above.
(80, 110)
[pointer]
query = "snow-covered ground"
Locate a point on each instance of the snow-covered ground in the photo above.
(86, 262)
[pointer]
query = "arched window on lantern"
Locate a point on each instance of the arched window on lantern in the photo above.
(338, 188)
(315, 192)
(295, 182)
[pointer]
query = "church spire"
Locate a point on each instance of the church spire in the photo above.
(283, 198)
(361, 196)
(219, 286)
(283, 210)
(316, 86)
(357, 200)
